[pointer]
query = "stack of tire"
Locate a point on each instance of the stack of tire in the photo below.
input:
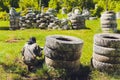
(42, 21)
(108, 22)
(63, 52)
(77, 21)
(118, 15)
(22, 22)
(106, 52)
(64, 24)
(14, 22)
(46, 20)
(30, 19)
(17, 22)
(54, 24)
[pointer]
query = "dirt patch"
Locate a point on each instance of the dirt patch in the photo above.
(14, 40)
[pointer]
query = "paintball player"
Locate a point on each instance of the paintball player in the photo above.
(30, 52)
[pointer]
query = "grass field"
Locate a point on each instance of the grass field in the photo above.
(11, 43)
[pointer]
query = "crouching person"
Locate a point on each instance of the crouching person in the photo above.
(30, 52)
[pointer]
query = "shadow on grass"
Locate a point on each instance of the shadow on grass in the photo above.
(16, 68)
(85, 28)
(82, 74)
(4, 28)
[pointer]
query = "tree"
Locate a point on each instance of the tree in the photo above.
(53, 4)
(4, 4)
(14, 3)
(29, 3)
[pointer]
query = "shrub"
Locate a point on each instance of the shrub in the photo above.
(4, 15)
(97, 12)
(117, 9)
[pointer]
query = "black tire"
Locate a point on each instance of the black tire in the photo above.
(73, 21)
(109, 25)
(24, 25)
(68, 65)
(61, 55)
(108, 14)
(107, 40)
(65, 27)
(112, 52)
(106, 59)
(64, 43)
(105, 66)
(38, 21)
(28, 21)
(75, 27)
(107, 18)
(105, 22)
(73, 17)
(109, 30)
(42, 26)
(76, 24)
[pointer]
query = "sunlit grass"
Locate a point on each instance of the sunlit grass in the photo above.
(10, 51)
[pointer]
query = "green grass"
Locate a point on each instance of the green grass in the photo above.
(11, 66)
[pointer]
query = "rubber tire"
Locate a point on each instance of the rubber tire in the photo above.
(72, 66)
(108, 25)
(108, 14)
(74, 27)
(105, 22)
(64, 43)
(73, 17)
(109, 30)
(66, 56)
(105, 66)
(106, 59)
(107, 18)
(113, 40)
(66, 27)
(73, 21)
(42, 26)
(112, 52)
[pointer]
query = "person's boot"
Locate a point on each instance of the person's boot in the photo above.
(29, 68)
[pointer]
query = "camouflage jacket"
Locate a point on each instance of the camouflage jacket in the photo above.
(31, 51)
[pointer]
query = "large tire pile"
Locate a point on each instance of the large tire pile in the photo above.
(63, 52)
(43, 21)
(28, 20)
(108, 22)
(48, 20)
(77, 21)
(14, 23)
(106, 52)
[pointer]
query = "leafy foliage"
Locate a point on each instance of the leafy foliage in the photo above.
(58, 4)
(29, 3)
(3, 16)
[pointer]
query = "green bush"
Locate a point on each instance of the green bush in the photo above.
(117, 9)
(97, 12)
(4, 15)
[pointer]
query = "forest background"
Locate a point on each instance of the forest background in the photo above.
(94, 6)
